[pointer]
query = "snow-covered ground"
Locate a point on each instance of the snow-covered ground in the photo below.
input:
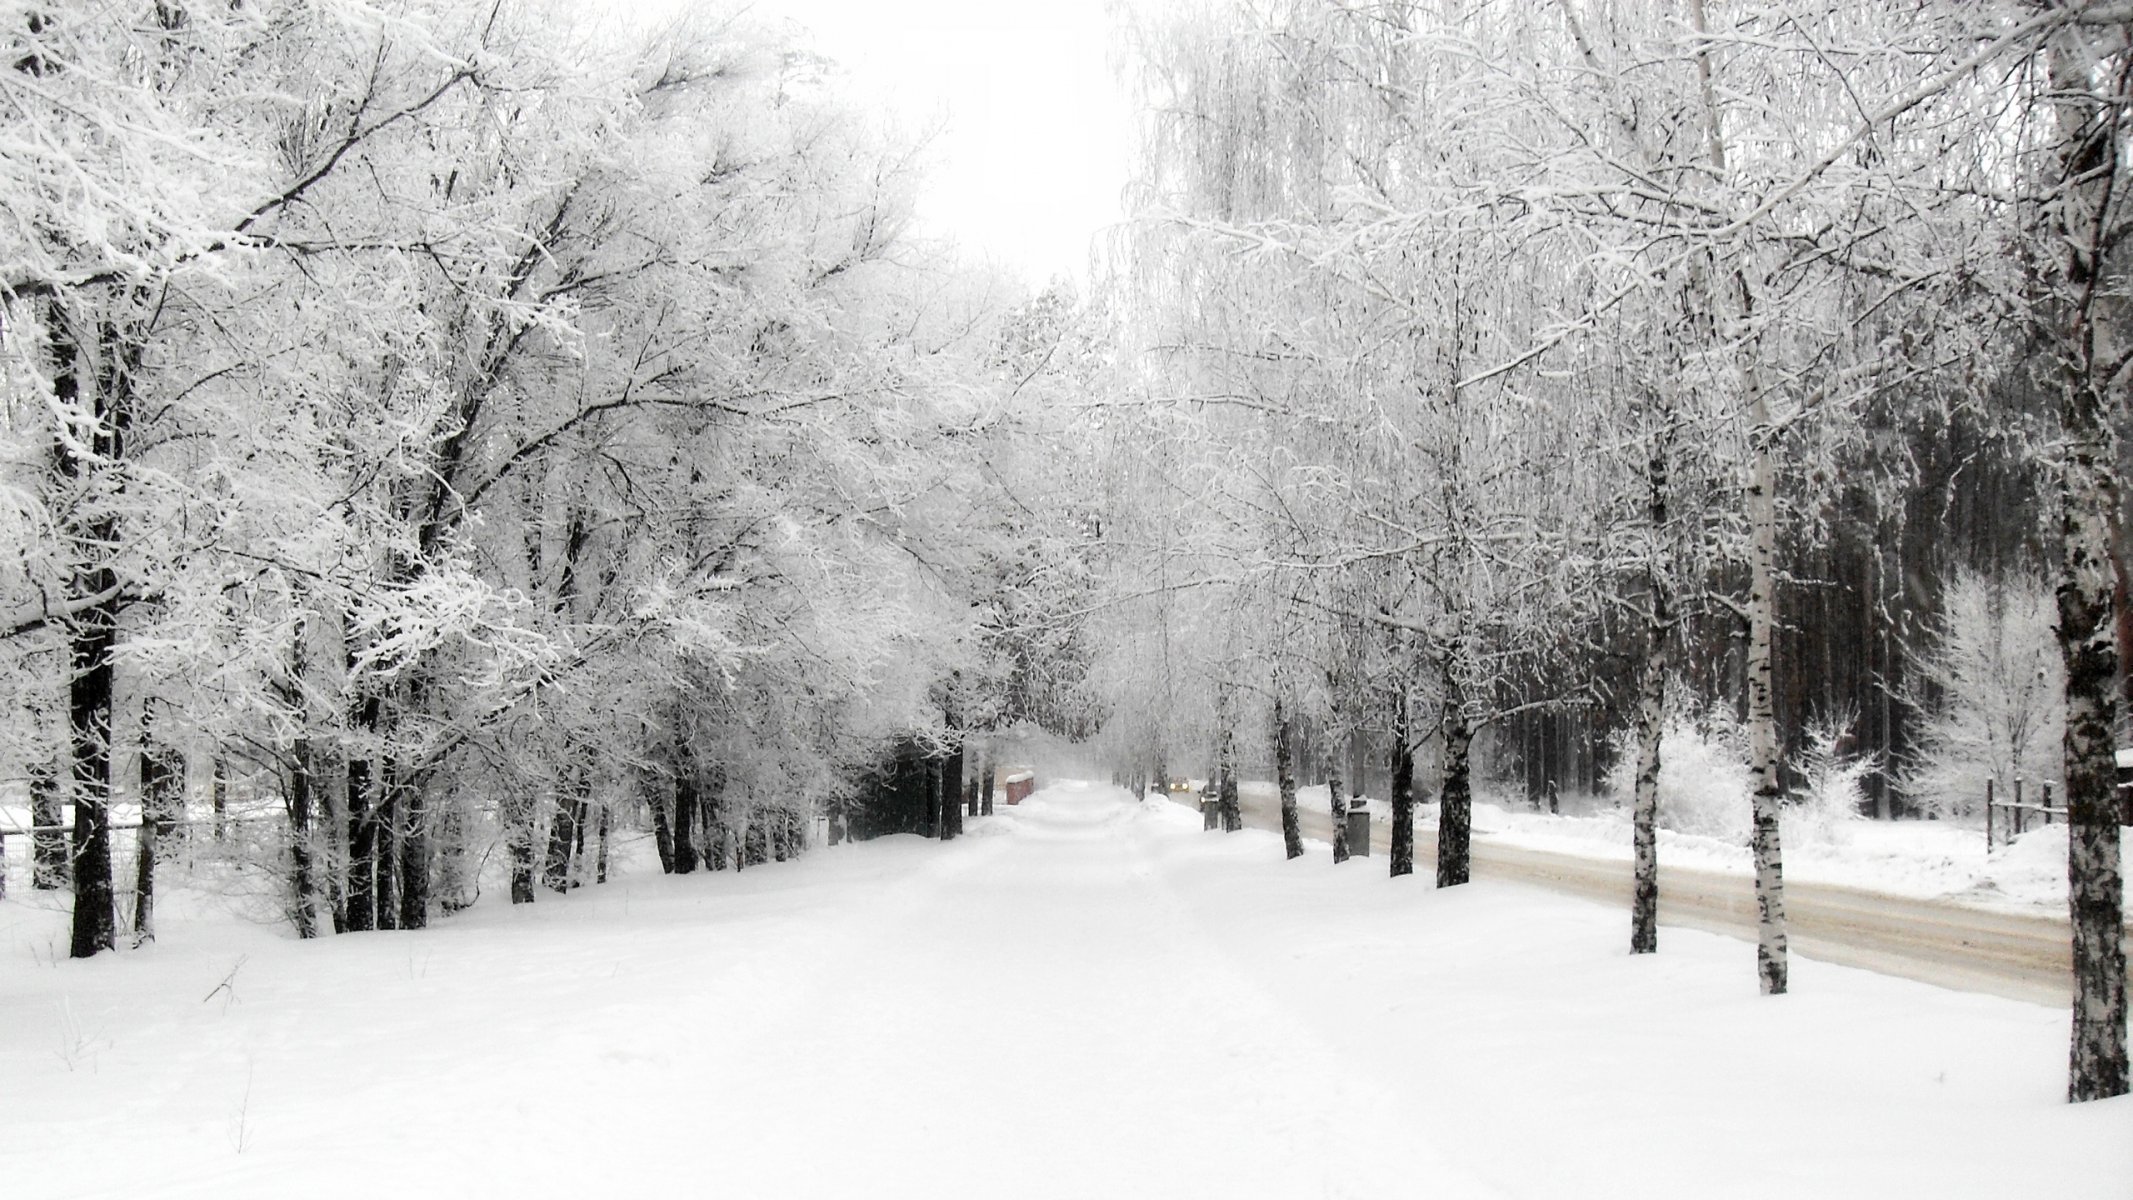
(1088, 997)
(1924, 859)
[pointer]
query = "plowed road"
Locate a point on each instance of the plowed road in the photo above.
(2016, 955)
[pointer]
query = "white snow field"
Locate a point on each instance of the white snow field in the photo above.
(1088, 997)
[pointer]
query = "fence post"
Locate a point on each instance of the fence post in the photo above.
(2047, 804)
(1988, 816)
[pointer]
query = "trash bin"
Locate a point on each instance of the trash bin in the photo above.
(1359, 832)
(1210, 811)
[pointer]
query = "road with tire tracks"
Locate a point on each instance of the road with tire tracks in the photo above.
(2018, 955)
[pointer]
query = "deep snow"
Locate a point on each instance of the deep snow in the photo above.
(1088, 997)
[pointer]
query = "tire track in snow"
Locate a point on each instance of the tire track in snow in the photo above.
(2019, 956)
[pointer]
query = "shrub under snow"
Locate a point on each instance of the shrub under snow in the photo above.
(1704, 782)
(1832, 784)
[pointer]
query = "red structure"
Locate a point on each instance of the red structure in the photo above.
(1019, 785)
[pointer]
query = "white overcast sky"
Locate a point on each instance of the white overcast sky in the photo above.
(1033, 153)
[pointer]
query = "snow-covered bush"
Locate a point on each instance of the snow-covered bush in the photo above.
(1704, 782)
(1992, 692)
(1832, 782)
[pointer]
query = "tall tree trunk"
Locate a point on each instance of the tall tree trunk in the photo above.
(414, 859)
(1226, 768)
(952, 790)
(607, 820)
(1736, 314)
(660, 802)
(364, 796)
(685, 820)
(386, 829)
(48, 841)
(564, 828)
(1651, 717)
(1336, 786)
(2089, 145)
(302, 885)
(92, 631)
(162, 772)
(521, 817)
(1285, 778)
(1401, 854)
(219, 798)
(936, 801)
(985, 788)
(1770, 950)
(1455, 808)
(89, 713)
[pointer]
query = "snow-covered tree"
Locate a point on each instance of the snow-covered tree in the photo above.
(1996, 704)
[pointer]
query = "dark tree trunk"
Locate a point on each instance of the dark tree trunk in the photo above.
(685, 819)
(985, 789)
(409, 866)
(1285, 778)
(1336, 786)
(661, 806)
(521, 843)
(359, 910)
(607, 820)
(414, 861)
(386, 829)
(219, 798)
(92, 638)
(1401, 854)
(1226, 794)
(936, 806)
(144, 882)
(952, 790)
(364, 814)
(716, 843)
(48, 844)
(92, 632)
(581, 822)
(162, 771)
(302, 885)
(1455, 815)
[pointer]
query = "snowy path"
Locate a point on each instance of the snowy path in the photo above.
(1087, 998)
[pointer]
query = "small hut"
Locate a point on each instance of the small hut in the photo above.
(1019, 785)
